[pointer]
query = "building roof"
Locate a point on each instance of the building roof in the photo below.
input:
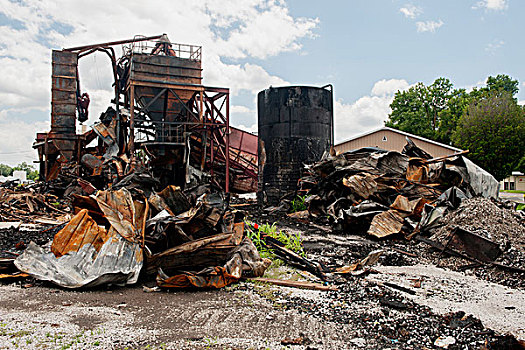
(412, 136)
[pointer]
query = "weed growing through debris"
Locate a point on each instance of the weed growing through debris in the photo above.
(298, 204)
(520, 206)
(291, 241)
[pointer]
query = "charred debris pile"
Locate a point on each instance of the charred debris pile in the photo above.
(448, 203)
(188, 238)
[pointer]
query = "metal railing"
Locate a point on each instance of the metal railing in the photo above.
(186, 51)
(160, 132)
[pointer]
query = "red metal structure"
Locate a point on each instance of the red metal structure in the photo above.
(163, 115)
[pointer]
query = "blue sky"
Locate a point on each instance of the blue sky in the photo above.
(361, 42)
(366, 49)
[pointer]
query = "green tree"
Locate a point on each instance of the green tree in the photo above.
(5, 170)
(420, 110)
(521, 165)
(502, 82)
(32, 173)
(493, 130)
(433, 111)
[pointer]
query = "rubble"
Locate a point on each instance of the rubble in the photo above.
(185, 244)
(163, 214)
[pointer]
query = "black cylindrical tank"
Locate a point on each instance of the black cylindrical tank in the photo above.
(295, 125)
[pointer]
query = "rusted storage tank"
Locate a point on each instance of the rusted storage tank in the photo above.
(295, 125)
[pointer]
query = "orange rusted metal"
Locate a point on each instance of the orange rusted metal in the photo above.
(216, 277)
(81, 230)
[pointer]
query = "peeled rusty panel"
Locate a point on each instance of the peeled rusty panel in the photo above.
(216, 277)
(364, 185)
(244, 141)
(118, 261)
(175, 199)
(474, 245)
(417, 171)
(81, 230)
(402, 204)
(385, 224)
(119, 209)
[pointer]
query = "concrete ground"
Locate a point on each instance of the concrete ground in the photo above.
(44, 317)
(516, 197)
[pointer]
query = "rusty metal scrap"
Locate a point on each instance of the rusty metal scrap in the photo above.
(186, 239)
(84, 254)
(243, 261)
(384, 193)
(385, 224)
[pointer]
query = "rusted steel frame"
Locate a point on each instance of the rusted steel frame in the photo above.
(152, 101)
(111, 53)
(46, 150)
(217, 89)
(227, 143)
(179, 86)
(212, 146)
(182, 102)
(219, 143)
(245, 168)
(240, 145)
(211, 102)
(131, 145)
(111, 43)
(201, 107)
(165, 107)
(433, 160)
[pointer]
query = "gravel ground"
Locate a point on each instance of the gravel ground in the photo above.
(13, 240)
(405, 302)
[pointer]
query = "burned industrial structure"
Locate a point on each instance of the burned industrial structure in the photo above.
(161, 116)
(296, 127)
(143, 198)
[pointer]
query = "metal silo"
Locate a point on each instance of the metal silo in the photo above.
(295, 125)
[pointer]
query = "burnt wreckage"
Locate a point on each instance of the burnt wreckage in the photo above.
(161, 116)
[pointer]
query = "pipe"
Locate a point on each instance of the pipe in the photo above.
(111, 43)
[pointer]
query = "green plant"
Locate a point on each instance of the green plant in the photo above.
(298, 204)
(292, 241)
(520, 206)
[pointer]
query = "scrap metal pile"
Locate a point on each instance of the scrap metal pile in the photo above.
(387, 194)
(28, 204)
(185, 239)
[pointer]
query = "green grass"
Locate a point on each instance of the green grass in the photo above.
(513, 191)
(291, 241)
(298, 204)
(520, 206)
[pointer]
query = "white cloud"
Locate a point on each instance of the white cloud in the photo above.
(411, 11)
(494, 46)
(368, 112)
(428, 26)
(240, 109)
(252, 128)
(492, 5)
(16, 138)
(389, 87)
(237, 29)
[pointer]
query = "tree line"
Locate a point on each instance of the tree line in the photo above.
(32, 173)
(488, 121)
